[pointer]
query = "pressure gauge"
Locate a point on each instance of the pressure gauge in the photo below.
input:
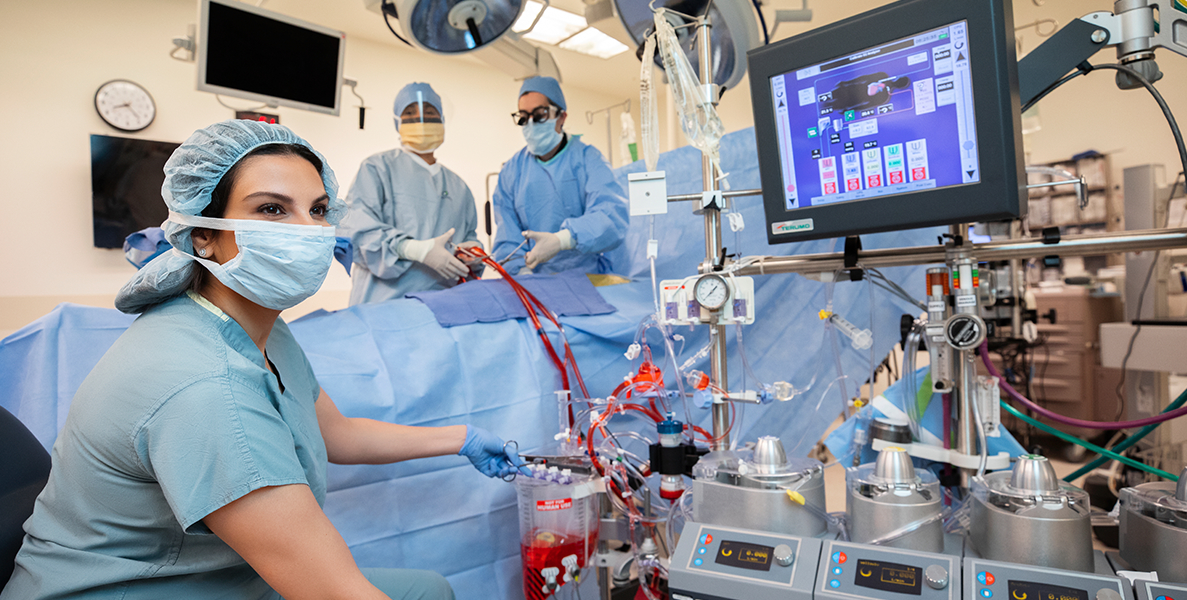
(964, 332)
(711, 291)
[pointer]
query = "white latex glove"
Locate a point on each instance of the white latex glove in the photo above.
(546, 246)
(471, 262)
(432, 253)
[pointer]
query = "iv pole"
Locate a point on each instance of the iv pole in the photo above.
(589, 117)
(718, 368)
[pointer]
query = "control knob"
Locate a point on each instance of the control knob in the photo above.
(937, 577)
(784, 556)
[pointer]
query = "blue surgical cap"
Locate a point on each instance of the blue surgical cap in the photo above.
(548, 86)
(191, 174)
(413, 93)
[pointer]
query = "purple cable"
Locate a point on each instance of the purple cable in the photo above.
(1159, 418)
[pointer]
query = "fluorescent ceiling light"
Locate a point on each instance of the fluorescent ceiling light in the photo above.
(566, 29)
(556, 24)
(594, 43)
(530, 10)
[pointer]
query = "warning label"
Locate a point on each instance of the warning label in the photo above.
(560, 504)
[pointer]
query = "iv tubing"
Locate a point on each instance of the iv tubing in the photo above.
(1093, 447)
(1054, 416)
(1126, 443)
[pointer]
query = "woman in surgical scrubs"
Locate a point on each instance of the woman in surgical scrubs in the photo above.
(193, 461)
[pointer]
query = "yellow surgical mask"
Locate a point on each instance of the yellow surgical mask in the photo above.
(422, 137)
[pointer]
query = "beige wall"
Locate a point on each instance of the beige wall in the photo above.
(54, 55)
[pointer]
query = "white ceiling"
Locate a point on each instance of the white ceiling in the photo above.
(618, 76)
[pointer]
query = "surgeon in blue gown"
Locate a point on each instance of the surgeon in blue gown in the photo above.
(193, 460)
(407, 211)
(557, 192)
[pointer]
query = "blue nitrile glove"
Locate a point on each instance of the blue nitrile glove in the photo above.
(486, 453)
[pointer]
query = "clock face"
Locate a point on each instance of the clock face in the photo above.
(125, 105)
(711, 291)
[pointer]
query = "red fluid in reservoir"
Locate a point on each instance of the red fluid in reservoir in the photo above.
(543, 550)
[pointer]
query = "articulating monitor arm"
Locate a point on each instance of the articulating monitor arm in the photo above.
(1133, 29)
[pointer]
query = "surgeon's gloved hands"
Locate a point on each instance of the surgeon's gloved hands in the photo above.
(486, 452)
(432, 253)
(475, 264)
(546, 246)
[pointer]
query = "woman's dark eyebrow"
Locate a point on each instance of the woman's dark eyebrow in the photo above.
(283, 198)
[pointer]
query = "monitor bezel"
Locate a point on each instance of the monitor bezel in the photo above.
(999, 195)
(203, 86)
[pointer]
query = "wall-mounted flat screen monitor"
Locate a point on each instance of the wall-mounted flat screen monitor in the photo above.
(902, 117)
(259, 55)
(126, 178)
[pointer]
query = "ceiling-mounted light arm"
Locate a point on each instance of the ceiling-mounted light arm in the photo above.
(539, 15)
(386, 8)
(798, 15)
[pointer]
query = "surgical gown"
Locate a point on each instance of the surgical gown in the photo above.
(575, 191)
(397, 196)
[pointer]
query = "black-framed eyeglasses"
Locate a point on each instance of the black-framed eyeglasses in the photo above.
(539, 115)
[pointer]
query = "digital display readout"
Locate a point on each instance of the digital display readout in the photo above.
(744, 556)
(1029, 590)
(889, 577)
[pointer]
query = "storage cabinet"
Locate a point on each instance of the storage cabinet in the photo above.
(1068, 378)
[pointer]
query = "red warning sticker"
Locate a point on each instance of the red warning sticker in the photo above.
(559, 504)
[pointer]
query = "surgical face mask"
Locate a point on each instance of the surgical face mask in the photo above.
(542, 138)
(279, 264)
(422, 137)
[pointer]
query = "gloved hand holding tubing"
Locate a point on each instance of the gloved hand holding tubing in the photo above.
(433, 254)
(487, 453)
(547, 245)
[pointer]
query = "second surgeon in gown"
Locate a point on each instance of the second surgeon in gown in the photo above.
(406, 209)
(557, 192)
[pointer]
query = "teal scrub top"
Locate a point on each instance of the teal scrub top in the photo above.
(178, 419)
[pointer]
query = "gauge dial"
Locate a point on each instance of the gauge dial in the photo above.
(125, 105)
(711, 291)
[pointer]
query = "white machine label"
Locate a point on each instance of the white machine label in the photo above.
(871, 162)
(828, 174)
(925, 96)
(936, 307)
(792, 226)
(852, 171)
(917, 159)
(896, 167)
(966, 301)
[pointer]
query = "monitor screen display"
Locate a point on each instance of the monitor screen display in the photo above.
(891, 119)
(126, 178)
(902, 117)
(249, 53)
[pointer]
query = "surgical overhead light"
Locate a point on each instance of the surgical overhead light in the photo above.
(734, 33)
(461, 26)
(453, 26)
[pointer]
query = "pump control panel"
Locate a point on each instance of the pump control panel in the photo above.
(712, 562)
(848, 570)
(992, 580)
